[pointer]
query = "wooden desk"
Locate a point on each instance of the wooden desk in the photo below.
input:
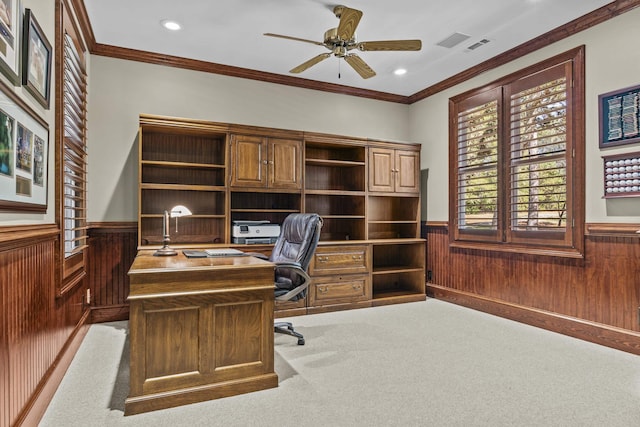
(200, 329)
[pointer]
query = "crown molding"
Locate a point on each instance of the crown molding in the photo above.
(245, 73)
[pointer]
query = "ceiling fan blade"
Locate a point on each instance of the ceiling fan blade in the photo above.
(294, 38)
(359, 65)
(349, 19)
(310, 63)
(390, 45)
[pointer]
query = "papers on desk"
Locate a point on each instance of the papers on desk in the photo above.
(212, 253)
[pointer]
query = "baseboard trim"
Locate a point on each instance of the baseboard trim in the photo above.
(109, 314)
(609, 336)
(39, 402)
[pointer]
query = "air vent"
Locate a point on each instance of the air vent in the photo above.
(453, 40)
(478, 44)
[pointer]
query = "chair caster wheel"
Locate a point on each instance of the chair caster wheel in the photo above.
(300, 341)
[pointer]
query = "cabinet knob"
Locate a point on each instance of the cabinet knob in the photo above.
(264, 162)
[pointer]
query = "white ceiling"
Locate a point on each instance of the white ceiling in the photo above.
(230, 32)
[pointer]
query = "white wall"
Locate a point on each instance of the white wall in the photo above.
(119, 91)
(612, 62)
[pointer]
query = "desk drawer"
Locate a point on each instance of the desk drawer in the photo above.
(339, 289)
(340, 260)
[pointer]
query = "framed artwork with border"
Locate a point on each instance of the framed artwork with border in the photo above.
(619, 117)
(10, 38)
(36, 60)
(24, 155)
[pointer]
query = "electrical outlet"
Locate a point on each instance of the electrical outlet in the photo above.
(88, 296)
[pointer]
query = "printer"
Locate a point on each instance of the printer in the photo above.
(254, 232)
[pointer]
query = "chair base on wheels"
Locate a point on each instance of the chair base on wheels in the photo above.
(287, 328)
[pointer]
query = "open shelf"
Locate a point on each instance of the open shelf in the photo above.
(164, 173)
(156, 201)
(335, 205)
(318, 152)
(342, 229)
(398, 270)
(399, 284)
(335, 177)
(389, 208)
(191, 229)
(259, 201)
(259, 206)
(391, 258)
(178, 146)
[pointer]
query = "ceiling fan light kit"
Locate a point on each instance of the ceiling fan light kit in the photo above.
(342, 39)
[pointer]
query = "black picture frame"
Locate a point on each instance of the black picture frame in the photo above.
(10, 39)
(36, 60)
(619, 117)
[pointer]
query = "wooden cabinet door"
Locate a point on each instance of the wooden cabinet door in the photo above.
(248, 161)
(381, 169)
(407, 171)
(285, 163)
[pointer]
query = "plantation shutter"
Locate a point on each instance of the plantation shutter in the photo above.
(74, 157)
(538, 156)
(477, 162)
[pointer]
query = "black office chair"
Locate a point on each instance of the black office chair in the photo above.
(292, 253)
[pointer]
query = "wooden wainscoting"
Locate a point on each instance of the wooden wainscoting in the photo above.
(39, 333)
(596, 298)
(112, 249)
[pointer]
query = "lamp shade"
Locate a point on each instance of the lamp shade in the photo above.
(179, 210)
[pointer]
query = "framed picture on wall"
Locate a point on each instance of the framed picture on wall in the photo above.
(619, 117)
(10, 35)
(24, 155)
(36, 60)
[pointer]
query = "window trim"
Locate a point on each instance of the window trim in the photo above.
(72, 269)
(575, 174)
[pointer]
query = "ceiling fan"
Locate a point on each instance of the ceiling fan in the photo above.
(341, 40)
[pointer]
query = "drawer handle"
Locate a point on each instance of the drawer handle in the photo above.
(323, 289)
(357, 287)
(323, 259)
(356, 257)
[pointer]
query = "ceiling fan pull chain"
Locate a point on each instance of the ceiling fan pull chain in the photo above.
(339, 62)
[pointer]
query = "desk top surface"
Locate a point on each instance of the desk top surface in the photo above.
(146, 262)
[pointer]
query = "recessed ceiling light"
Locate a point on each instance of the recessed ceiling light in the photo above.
(170, 25)
(400, 72)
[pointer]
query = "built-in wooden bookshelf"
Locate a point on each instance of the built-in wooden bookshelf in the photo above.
(370, 252)
(187, 166)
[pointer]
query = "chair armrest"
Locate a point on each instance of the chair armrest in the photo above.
(296, 269)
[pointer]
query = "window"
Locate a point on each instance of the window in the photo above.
(517, 161)
(71, 149)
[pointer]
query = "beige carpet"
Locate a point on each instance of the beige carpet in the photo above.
(421, 364)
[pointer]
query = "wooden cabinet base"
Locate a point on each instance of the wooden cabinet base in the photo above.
(170, 399)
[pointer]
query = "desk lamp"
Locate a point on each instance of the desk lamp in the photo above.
(176, 212)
